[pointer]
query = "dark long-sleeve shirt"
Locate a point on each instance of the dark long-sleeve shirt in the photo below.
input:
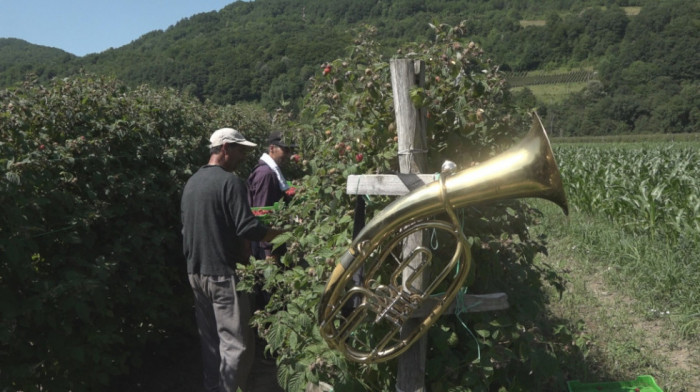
(216, 218)
(263, 191)
(263, 186)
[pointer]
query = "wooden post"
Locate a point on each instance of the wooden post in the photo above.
(411, 123)
(411, 128)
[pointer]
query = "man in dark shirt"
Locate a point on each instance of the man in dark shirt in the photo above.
(267, 186)
(216, 222)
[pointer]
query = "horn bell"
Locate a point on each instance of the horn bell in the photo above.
(373, 331)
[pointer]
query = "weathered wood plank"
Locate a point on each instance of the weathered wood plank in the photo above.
(387, 184)
(471, 303)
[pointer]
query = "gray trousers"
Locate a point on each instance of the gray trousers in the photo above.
(227, 340)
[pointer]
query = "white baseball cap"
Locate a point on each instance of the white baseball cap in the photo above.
(228, 135)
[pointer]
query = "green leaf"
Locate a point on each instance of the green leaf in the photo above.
(282, 238)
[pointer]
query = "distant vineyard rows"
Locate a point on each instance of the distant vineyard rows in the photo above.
(525, 78)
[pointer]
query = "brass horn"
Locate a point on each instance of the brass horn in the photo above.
(386, 297)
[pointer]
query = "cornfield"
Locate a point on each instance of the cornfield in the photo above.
(649, 190)
(650, 194)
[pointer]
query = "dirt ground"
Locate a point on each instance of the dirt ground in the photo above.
(623, 337)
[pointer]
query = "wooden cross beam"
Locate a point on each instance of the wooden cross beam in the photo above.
(387, 184)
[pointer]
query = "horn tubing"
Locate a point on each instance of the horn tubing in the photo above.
(518, 172)
(526, 170)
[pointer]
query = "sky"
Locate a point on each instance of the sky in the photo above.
(82, 27)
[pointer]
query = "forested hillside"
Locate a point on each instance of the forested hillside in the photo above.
(644, 53)
(19, 58)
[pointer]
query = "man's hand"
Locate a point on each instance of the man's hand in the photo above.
(272, 233)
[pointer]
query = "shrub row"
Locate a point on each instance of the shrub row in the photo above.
(91, 269)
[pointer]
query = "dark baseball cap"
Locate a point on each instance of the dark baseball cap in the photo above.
(278, 139)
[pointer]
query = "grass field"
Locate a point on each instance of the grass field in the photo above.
(632, 11)
(629, 11)
(553, 93)
(630, 251)
(551, 86)
(534, 22)
(621, 336)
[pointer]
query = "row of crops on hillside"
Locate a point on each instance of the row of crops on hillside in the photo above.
(650, 193)
(525, 78)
